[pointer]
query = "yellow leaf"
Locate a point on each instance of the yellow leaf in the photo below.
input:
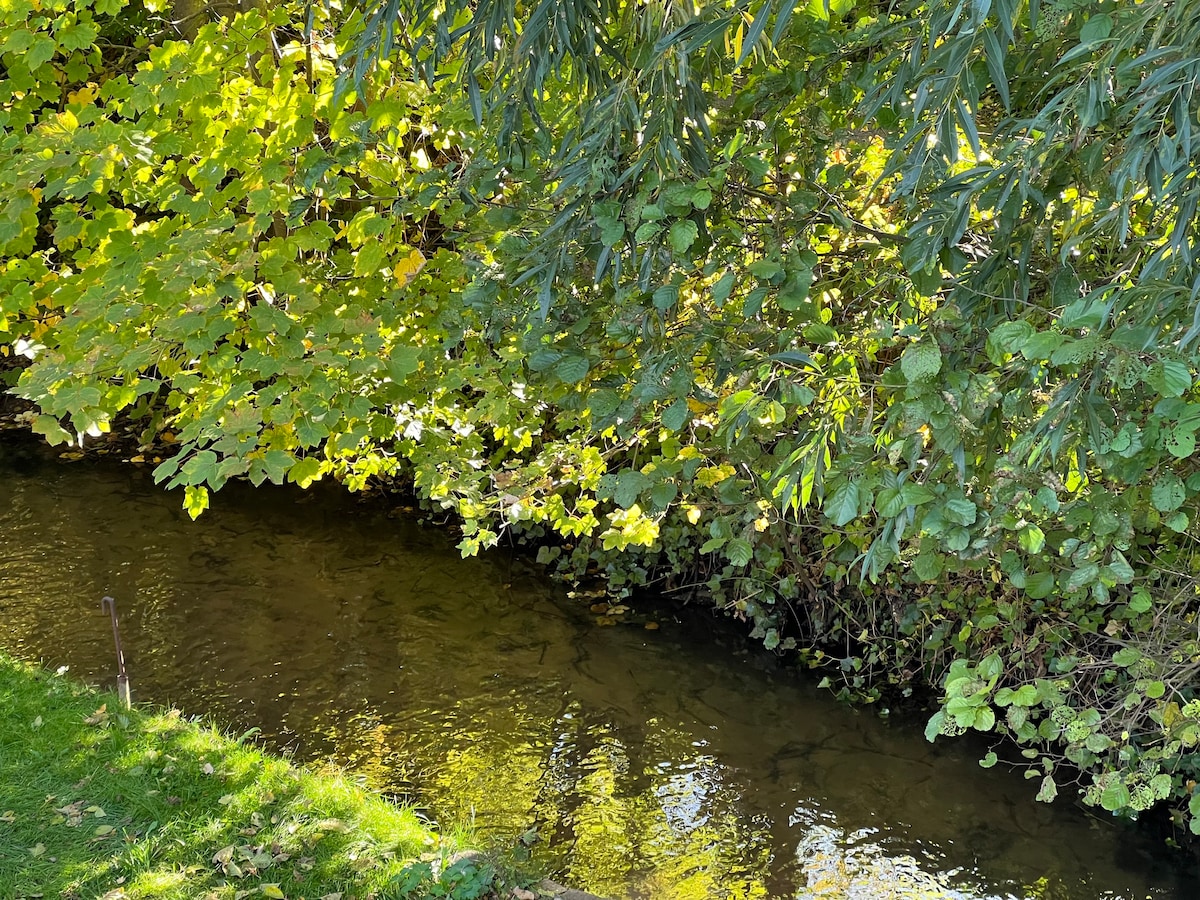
(1171, 714)
(272, 890)
(83, 97)
(407, 267)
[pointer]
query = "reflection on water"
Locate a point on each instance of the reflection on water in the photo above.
(651, 764)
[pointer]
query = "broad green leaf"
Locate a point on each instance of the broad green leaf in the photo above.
(677, 415)
(841, 507)
(665, 297)
(630, 484)
(1167, 493)
(723, 288)
(573, 368)
(305, 471)
(1048, 791)
(682, 235)
(1031, 539)
(739, 552)
(921, 361)
(960, 511)
(1096, 29)
(1115, 797)
(403, 361)
(1126, 657)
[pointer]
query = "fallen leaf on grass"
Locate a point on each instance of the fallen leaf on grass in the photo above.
(96, 811)
(207, 768)
(99, 716)
(333, 825)
(273, 891)
(36, 723)
(37, 850)
(72, 814)
(103, 830)
(9, 816)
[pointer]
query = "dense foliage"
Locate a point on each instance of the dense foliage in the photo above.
(876, 326)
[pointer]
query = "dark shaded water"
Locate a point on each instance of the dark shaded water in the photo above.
(652, 763)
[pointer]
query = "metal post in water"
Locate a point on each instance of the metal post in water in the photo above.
(109, 604)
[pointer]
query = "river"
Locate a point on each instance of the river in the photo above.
(677, 763)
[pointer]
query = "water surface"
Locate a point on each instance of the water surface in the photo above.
(651, 764)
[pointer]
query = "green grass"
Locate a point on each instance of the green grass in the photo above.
(100, 802)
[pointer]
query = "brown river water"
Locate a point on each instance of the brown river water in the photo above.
(679, 763)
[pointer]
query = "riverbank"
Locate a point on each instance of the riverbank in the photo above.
(105, 802)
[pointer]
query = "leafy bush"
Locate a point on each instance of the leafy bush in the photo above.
(860, 327)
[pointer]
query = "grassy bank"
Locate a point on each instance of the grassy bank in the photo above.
(96, 801)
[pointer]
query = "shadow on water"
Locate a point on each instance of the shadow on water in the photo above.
(652, 764)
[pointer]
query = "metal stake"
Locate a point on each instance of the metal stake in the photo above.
(109, 604)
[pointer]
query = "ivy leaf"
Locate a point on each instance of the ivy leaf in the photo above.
(921, 361)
